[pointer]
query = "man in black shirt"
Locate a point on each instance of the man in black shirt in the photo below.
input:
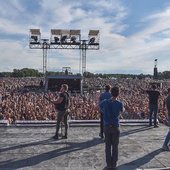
(61, 105)
(153, 104)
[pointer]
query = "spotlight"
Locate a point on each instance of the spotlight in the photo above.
(35, 38)
(92, 40)
(63, 39)
(56, 39)
(73, 39)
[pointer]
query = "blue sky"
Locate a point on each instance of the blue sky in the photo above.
(133, 33)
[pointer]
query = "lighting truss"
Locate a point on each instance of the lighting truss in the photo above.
(64, 39)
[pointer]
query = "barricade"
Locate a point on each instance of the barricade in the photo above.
(78, 122)
(4, 122)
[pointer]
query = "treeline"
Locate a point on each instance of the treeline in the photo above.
(161, 75)
(28, 72)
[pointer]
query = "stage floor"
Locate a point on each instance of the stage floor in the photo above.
(33, 148)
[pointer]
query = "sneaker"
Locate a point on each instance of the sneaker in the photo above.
(101, 135)
(64, 137)
(156, 126)
(109, 167)
(55, 137)
(165, 148)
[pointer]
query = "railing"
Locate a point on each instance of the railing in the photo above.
(72, 122)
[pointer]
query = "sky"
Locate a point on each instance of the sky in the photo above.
(133, 33)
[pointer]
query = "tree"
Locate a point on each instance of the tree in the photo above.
(166, 74)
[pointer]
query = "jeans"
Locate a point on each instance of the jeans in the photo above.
(101, 124)
(111, 144)
(167, 139)
(153, 110)
(60, 116)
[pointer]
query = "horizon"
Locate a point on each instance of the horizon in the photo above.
(74, 73)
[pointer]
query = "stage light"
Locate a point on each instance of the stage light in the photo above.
(63, 39)
(55, 36)
(56, 39)
(35, 38)
(65, 35)
(93, 37)
(92, 40)
(73, 39)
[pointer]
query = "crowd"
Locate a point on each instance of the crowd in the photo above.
(17, 103)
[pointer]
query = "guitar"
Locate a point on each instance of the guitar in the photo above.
(47, 98)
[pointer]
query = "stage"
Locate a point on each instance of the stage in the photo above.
(33, 148)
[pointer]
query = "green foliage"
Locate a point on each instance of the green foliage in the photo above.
(166, 75)
(5, 74)
(53, 73)
(25, 72)
(28, 72)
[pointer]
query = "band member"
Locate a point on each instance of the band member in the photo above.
(112, 108)
(61, 105)
(104, 95)
(153, 104)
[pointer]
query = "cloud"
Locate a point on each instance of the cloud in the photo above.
(134, 53)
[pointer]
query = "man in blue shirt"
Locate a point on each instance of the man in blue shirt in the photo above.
(105, 95)
(112, 109)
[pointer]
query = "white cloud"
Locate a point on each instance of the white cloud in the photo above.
(135, 52)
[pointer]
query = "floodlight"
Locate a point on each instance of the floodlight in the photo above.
(56, 39)
(55, 36)
(92, 40)
(65, 35)
(63, 39)
(34, 37)
(93, 37)
(73, 39)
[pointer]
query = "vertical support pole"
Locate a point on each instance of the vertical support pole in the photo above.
(84, 48)
(45, 47)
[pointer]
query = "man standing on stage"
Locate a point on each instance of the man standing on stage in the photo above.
(112, 108)
(104, 95)
(153, 104)
(166, 145)
(61, 105)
